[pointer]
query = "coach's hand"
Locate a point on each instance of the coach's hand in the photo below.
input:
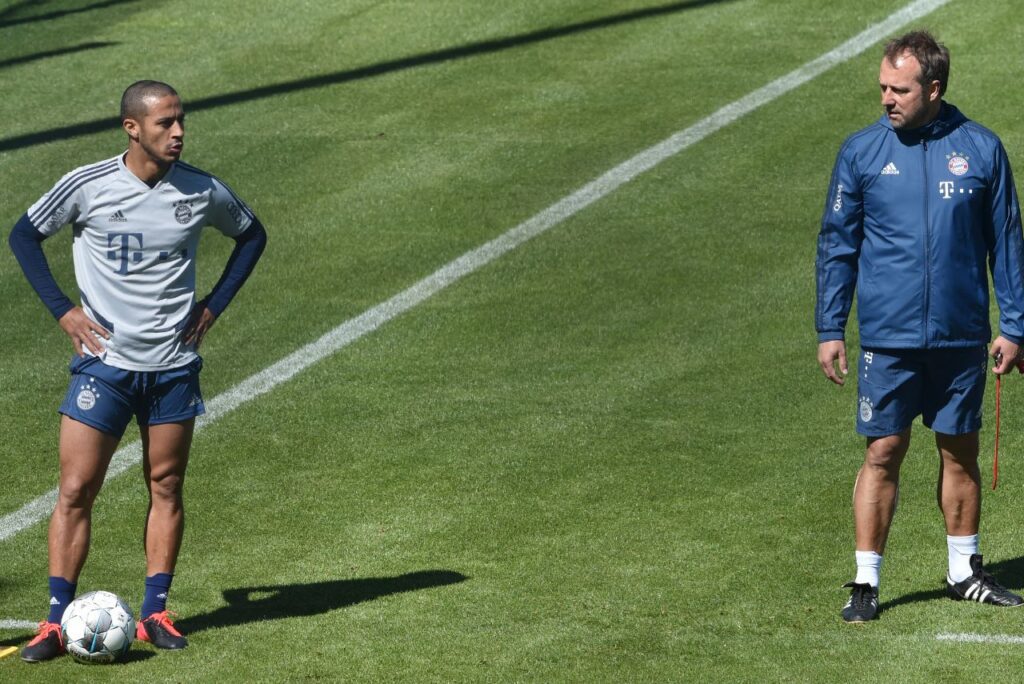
(199, 323)
(830, 352)
(1005, 353)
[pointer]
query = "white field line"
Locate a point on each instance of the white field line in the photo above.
(18, 624)
(471, 261)
(969, 638)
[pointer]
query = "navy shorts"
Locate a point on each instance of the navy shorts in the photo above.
(106, 398)
(943, 386)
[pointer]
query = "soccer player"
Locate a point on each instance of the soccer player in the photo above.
(918, 203)
(136, 220)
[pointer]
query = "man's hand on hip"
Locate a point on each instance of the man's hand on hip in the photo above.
(83, 331)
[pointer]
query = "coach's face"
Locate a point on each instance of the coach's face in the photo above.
(161, 132)
(907, 102)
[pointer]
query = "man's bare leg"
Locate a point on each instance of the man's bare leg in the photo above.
(165, 450)
(874, 495)
(959, 495)
(165, 456)
(959, 486)
(85, 453)
(874, 504)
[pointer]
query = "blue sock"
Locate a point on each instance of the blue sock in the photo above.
(62, 593)
(155, 600)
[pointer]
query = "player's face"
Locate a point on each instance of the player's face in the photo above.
(907, 102)
(161, 132)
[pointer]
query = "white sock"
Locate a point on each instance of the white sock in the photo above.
(869, 568)
(960, 551)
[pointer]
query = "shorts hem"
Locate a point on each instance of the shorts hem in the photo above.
(105, 429)
(177, 418)
(880, 432)
(957, 432)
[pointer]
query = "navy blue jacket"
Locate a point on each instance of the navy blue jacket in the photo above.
(910, 221)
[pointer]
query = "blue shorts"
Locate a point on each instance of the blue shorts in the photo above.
(106, 398)
(943, 386)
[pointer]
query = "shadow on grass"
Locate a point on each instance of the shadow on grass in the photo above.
(14, 9)
(17, 640)
(256, 604)
(424, 59)
(55, 14)
(1009, 573)
(25, 59)
(915, 597)
(274, 602)
(136, 655)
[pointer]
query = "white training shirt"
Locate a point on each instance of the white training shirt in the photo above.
(134, 250)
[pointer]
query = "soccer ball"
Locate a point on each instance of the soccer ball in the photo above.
(98, 627)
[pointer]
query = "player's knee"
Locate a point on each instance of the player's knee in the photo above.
(961, 450)
(884, 455)
(76, 494)
(166, 487)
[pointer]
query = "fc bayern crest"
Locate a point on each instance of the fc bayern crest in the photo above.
(866, 410)
(958, 165)
(183, 213)
(86, 398)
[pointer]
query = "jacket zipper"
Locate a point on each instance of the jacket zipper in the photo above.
(927, 246)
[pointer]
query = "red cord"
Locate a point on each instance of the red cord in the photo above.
(995, 456)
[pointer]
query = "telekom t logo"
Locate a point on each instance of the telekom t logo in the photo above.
(946, 189)
(120, 245)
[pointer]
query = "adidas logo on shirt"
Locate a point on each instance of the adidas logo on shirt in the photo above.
(118, 216)
(890, 170)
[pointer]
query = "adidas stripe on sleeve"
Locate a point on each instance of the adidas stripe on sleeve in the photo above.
(62, 204)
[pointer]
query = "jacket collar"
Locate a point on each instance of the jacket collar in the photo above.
(948, 119)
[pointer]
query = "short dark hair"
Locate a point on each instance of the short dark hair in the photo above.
(133, 101)
(932, 56)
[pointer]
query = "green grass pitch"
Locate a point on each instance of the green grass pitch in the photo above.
(608, 455)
